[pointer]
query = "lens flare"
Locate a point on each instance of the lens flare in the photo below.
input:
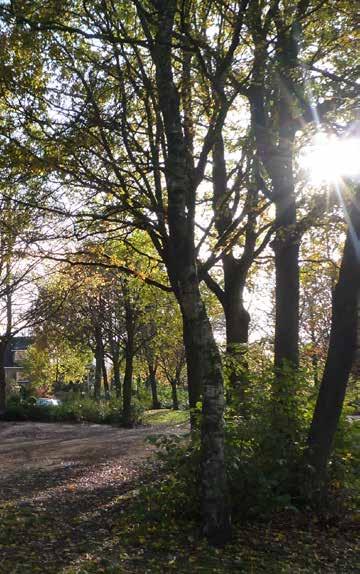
(328, 159)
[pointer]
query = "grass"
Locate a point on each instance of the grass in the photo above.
(165, 417)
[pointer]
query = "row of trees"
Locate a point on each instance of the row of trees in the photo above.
(181, 121)
(119, 320)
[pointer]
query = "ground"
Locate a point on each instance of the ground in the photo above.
(67, 507)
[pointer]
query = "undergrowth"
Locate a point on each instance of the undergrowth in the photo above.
(74, 410)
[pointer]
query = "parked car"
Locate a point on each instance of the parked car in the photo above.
(47, 402)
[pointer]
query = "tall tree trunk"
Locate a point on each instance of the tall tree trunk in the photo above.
(237, 320)
(237, 330)
(203, 355)
(314, 357)
(117, 377)
(341, 353)
(235, 274)
(214, 484)
(193, 350)
(153, 384)
(286, 244)
(174, 395)
(3, 347)
(98, 365)
(130, 321)
(127, 385)
(278, 161)
(274, 128)
(286, 247)
(105, 379)
(204, 362)
(5, 341)
(287, 293)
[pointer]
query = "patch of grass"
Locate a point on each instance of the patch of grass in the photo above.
(165, 417)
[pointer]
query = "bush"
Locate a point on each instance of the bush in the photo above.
(175, 492)
(74, 410)
(344, 467)
(264, 456)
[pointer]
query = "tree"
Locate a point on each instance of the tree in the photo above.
(144, 83)
(18, 230)
(132, 124)
(52, 362)
(283, 71)
(341, 351)
(164, 349)
(319, 272)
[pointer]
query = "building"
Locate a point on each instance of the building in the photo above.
(14, 357)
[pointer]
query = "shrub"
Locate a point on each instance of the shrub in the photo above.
(265, 458)
(175, 492)
(73, 410)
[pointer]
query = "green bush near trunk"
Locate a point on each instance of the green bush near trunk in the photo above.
(265, 459)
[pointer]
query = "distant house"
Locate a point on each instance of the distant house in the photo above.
(14, 357)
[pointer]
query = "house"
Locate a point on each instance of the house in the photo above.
(14, 357)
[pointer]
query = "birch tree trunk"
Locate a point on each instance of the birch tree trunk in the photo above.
(203, 358)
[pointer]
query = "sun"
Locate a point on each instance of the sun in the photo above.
(328, 158)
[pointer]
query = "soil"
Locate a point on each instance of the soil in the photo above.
(28, 445)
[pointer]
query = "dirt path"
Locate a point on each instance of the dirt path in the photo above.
(62, 487)
(27, 445)
(69, 505)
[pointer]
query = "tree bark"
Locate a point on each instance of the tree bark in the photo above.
(3, 347)
(237, 329)
(127, 385)
(174, 395)
(286, 247)
(235, 274)
(287, 289)
(105, 378)
(117, 377)
(5, 340)
(202, 352)
(98, 365)
(274, 128)
(129, 360)
(341, 353)
(153, 385)
(204, 363)
(193, 365)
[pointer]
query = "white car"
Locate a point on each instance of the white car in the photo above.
(47, 402)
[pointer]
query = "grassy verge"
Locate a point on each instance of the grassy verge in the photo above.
(165, 417)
